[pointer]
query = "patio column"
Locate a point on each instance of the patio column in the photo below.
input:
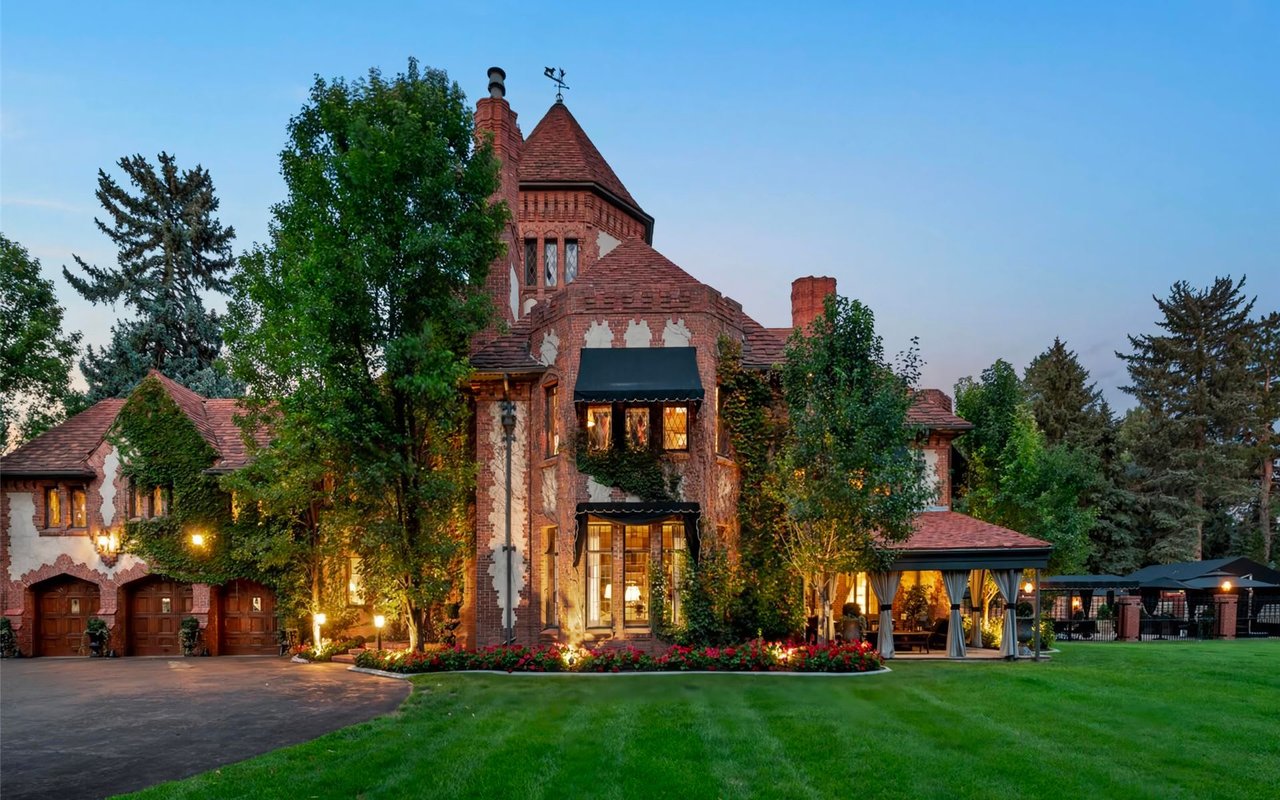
(1225, 609)
(977, 586)
(954, 581)
(1007, 583)
(885, 585)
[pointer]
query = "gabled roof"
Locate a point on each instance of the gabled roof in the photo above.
(559, 151)
(931, 409)
(1190, 570)
(635, 263)
(951, 530)
(509, 352)
(63, 449)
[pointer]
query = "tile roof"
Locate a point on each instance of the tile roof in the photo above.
(233, 453)
(950, 530)
(559, 151)
(762, 347)
(64, 448)
(634, 263)
(507, 353)
(931, 408)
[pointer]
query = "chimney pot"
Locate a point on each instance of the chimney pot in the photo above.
(497, 83)
(807, 298)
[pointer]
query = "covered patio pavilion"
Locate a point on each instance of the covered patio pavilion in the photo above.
(964, 550)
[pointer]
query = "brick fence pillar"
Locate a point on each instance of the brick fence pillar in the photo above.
(1224, 607)
(1127, 615)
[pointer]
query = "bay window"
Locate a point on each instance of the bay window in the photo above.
(635, 576)
(599, 575)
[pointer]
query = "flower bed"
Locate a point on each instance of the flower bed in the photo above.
(752, 657)
(329, 650)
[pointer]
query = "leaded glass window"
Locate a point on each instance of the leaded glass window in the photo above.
(599, 575)
(570, 260)
(549, 259)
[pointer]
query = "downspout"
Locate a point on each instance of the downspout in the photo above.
(509, 436)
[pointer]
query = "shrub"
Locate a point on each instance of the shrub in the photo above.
(188, 635)
(751, 657)
(330, 649)
(8, 641)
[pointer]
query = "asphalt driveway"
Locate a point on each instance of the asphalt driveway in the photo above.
(73, 728)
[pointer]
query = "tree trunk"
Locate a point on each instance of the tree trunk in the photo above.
(1264, 498)
(824, 622)
(317, 564)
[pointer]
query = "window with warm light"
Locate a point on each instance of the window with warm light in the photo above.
(550, 619)
(674, 566)
(159, 501)
(599, 575)
(599, 427)
(551, 419)
(135, 501)
(635, 575)
(355, 581)
(79, 508)
(637, 428)
(52, 507)
(675, 428)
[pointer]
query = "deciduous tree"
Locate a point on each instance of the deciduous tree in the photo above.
(35, 353)
(351, 326)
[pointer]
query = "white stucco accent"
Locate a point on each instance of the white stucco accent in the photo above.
(497, 468)
(597, 492)
(598, 334)
(676, 334)
(932, 479)
(29, 551)
(514, 293)
(550, 488)
(107, 491)
(529, 304)
(550, 348)
(606, 243)
(638, 334)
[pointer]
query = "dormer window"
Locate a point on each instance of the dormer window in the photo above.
(52, 508)
(79, 508)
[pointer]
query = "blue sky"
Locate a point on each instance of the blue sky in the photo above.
(985, 177)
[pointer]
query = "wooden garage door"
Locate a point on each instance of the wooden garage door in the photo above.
(63, 608)
(157, 606)
(248, 620)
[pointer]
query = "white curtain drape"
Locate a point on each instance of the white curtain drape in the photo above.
(1007, 583)
(885, 585)
(977, 587)
(955, 582)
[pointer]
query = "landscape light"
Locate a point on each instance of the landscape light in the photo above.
(1027, 587)
(320, 618)
(197, 539)
(378, 622)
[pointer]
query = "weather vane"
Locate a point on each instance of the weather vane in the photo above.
(558, 77)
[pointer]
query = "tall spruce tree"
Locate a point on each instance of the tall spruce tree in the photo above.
(1066, 405)
(1192, 382)
(1260, 436)
(35, 353)
(170, 248)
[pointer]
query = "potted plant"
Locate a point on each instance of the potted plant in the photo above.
(97, 633)
(853, 626)
(8, 641)
(915, 606)
(189, 635)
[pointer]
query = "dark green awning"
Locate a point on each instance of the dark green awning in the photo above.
(638, 375)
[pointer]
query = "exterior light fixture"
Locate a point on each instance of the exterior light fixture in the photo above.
(321, 618)
(378, 622)
(1028, 588)
(197, 540)
(107, 543)
(1226, 586)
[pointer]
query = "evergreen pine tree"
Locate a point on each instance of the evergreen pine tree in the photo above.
(1264, 368)
(171, 247)
(1065, 403)
(1191, 382)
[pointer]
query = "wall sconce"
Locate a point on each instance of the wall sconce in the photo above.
(107, 543)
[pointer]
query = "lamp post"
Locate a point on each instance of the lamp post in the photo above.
(378, 622)
(320, 619)
(509, 437)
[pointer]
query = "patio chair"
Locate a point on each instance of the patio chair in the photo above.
(938, 636)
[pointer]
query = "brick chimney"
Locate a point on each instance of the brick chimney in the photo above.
(494, 118)
(937, 397)
(807, 296)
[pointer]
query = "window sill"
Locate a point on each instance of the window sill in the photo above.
(63, 532)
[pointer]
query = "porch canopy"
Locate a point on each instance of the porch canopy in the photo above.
(638, 513)
(638, 375)
(957, 545)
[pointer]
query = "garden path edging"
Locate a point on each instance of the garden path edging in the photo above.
(404, 676)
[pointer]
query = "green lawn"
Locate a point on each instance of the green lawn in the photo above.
(1101, 720)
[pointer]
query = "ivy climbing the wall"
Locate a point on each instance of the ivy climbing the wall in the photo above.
(771, 601)
(636, 471)
(160, 447)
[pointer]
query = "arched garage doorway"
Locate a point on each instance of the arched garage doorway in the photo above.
(63, 607)
(248, 619)
(157, 606)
